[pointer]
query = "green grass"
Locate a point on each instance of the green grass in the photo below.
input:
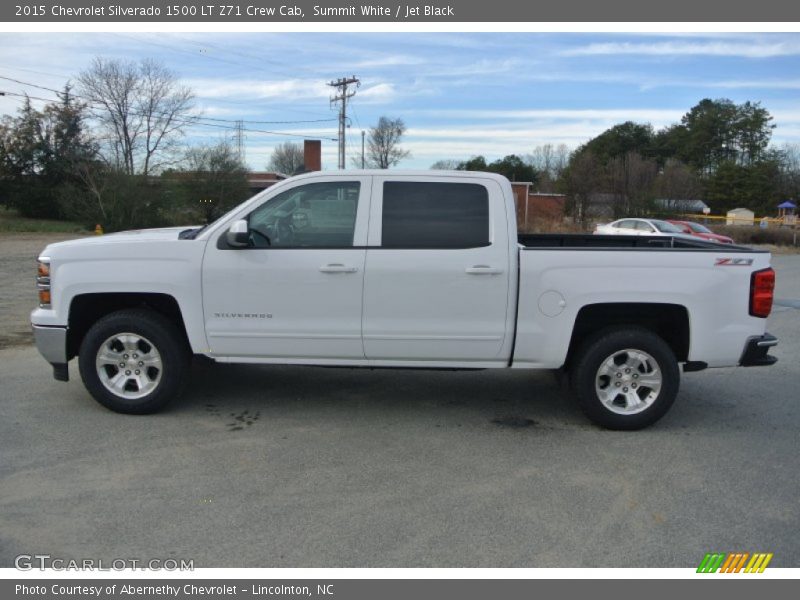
(10, 221)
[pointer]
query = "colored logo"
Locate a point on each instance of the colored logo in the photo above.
(734, 562)
(733, 262)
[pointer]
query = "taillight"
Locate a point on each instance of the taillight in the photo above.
(762, 288)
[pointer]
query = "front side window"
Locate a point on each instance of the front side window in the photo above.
(434, 215)
(316, 215)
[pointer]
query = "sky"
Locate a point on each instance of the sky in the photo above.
(459, 94)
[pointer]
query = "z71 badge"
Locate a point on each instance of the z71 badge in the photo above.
(733, 262)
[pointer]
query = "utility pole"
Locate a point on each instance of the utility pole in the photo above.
(362, 148)
(342, 94)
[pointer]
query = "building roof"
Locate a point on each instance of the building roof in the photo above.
(787, 204)
(684, 204)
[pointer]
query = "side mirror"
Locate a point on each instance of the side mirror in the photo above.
(238, 236)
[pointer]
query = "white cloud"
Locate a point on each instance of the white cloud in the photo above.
(287, 90)
(655, 116)
(378, 94)
(749, 49)
(771, 84)
(396, 60)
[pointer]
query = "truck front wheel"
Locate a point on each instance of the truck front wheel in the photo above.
(134, 361)
(625, 378)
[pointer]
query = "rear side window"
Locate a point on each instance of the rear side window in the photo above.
(434, 215)
(644, 226)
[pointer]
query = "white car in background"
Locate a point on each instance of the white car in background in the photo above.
(655, 227)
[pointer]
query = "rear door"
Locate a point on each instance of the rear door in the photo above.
(438, 270)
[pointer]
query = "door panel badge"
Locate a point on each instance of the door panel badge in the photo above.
(733, 262)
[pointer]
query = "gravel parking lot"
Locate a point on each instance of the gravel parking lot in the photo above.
(18, 253)
(312, 467)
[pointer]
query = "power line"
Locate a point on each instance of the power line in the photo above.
(259, 59)
(193, 120)
(197, 122)
(59, 92)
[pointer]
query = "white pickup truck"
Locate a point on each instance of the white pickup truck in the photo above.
(400, 269)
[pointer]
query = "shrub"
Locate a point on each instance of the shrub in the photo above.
(741, 234)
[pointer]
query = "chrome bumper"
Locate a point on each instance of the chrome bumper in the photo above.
(52, 345)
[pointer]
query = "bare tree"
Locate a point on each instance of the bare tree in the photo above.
(542, 158)
(143, 109)
(447, 164)
(383, 150)
(675, 183)
(789, 156)
(631, 179)
(287, 158)
(561, 156)
(583, 179)
(549, 161)
(215, 180)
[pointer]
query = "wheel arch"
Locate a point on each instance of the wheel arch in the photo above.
(668, 321)
(87, 309)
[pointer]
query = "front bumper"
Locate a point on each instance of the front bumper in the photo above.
(756, 351)
(52, 345)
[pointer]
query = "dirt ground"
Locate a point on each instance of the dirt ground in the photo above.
(18, 252)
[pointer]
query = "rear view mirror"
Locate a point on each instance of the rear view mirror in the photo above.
(238, 236)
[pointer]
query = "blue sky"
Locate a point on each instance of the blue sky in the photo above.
(460, 94)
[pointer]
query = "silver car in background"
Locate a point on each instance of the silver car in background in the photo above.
(655, 227)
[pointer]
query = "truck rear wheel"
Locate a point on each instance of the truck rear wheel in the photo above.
(625, 378)
(134, 361)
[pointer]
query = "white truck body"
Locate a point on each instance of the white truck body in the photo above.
(366, 301)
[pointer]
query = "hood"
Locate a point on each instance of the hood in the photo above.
(136, 236)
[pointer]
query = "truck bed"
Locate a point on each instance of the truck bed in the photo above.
(532, 241)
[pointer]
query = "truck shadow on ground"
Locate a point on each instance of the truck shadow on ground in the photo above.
(240, 395)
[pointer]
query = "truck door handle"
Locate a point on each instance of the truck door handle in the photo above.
(483, 270)
(337, 268)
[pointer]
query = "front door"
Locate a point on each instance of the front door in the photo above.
(295, 293)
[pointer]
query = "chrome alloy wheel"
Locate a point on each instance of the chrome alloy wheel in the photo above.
(129, 365)
(628, 381)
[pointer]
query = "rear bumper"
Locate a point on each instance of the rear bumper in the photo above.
(756, 351)
(52, 345)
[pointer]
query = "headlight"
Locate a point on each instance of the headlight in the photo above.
(43, 282)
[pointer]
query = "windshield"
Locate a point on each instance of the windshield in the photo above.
(699, 228)
(665, 227)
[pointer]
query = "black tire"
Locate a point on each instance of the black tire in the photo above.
(599, 348)
(155, 331)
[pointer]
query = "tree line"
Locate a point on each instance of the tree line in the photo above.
(112, 150)
(720, 152)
